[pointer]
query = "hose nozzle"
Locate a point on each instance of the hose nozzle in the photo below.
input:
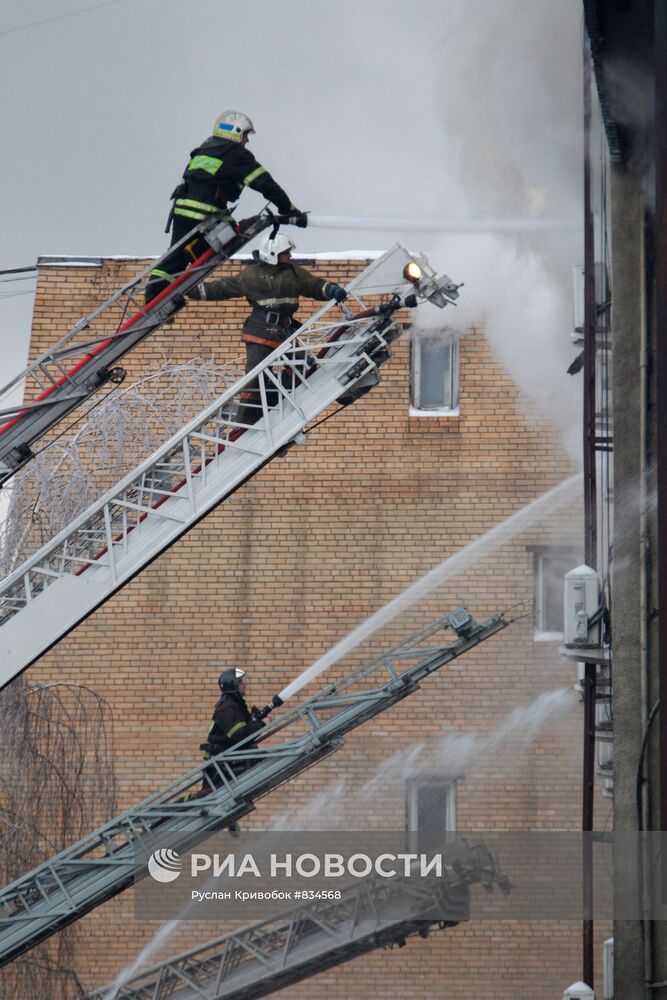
(261, 713)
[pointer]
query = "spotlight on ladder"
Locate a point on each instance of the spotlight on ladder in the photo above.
(412, 272)
(461, 621)
(441, 291)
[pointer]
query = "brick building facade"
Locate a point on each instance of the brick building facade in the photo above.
(304, 552)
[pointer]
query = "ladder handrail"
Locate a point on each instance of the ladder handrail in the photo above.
(280, 935)
(85, 321)
(287, 346)
(164, 449)
(62, 389)
(75, 881)
(200, 466)
(284, 719)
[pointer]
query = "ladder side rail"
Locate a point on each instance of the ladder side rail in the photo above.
(300, 338)
(131, 481)
(321, 359)
(10, 442)
(85, 524)
(338, 724)
(101, 880)
(355, 363)
(274, 933)
(112, 348)
(179, 786)
(192, 271)
(88, 374)
(120, 293)
(164, 451)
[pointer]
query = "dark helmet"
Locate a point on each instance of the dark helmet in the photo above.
(229, 680)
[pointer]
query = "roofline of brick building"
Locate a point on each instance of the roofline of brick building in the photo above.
(73, 260)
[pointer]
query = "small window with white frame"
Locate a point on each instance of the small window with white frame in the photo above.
(434, 374)
(550, 564)
(430, 801)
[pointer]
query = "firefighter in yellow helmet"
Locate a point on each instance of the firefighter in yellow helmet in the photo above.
(213, 181)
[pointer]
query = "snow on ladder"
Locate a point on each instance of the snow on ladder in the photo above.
(203, 464)
(109, 860)
(100, 339)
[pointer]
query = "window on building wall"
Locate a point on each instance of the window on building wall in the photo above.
(434, 374)
(431, 804)
(550, 564)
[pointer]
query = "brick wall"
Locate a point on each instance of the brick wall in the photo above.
(275, 576)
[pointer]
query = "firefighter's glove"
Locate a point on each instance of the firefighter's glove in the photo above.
(337, 292)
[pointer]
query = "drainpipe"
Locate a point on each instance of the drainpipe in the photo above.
(647, 878)
(590, 529)
(660, 269)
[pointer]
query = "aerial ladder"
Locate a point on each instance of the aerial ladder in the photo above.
(305, 940)
(85, 359)
(103, 864)
(329, 358)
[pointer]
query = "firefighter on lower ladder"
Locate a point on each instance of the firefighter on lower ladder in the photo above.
(213, 180)
(232, 722)
(273, 287)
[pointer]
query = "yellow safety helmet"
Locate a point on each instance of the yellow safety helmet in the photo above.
(232, 125)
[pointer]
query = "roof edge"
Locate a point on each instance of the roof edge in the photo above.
(73, 260)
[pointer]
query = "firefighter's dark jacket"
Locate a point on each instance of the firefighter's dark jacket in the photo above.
(231, 723)
(215, 176)
(269, 288)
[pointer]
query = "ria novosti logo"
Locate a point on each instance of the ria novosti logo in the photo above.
(164, 865)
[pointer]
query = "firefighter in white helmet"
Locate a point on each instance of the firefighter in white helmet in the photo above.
(213, 181)
(273, 286)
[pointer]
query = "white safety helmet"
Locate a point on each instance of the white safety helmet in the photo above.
(270, 249)
(233, 125)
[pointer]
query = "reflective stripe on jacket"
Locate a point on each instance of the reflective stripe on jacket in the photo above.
(216, 174)
(269, 288)
(231, 723)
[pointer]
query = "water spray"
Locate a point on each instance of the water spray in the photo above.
(435, 577)
(385, 224)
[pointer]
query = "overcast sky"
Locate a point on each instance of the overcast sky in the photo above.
(427, 109)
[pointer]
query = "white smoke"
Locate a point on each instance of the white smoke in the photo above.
(513, 294)
(510, 87)
(340, 805)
